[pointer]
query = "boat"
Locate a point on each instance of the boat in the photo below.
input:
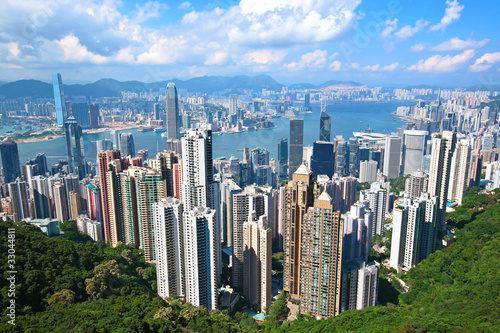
(164, 135)
(159, 129)
(146, 129)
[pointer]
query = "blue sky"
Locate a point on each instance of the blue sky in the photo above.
(439, 42)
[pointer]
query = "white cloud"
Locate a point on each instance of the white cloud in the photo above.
(75, 52)
(390, 26)
(335, 66)
(355, 65)
(378, 68)
(391, 67)
(186, 5)
(164, 51)
(217, 58)
(459, 44)
(407, 31)
(417, 48)
(451, 14)
(264, 57)
(439, 63)
(371, 68)
(485, 62)
(316, 59)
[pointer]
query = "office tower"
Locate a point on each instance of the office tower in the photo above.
(247, 158)
(172, 112)
(300, 193)
(307, 153)
(202, 256)
(413, 231)
(40, 194)
(378, 199)
(233, 105)
(94, 115)
(282, 158)
(81, 112)
(323, 158)
(475, 168)
(357, 238)
(169, 247)
(342, 159)
(392, 157)
(353, 146)
(18, 193)
(296, 145)
(321, 259)
(143, 155)
(325, 126)
(342, 190)
(199, 188)
(156, 112)
(74, 148)
(416, 184)
(459, 172)
(413, 150)
(257, 245)
(104, 159)
(38, 164)
(368, 171)
(235, 170)
(127, 145)
(10, 160)
(228, 189)
(307, 103)
(59, 101)
(115, 139)
(260, 166)
(28, 172)
(61, 202)
(443, 146)
(104, 145)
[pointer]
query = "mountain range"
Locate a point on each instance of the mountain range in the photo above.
(112, 88)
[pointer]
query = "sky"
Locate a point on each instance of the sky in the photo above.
(379, 43)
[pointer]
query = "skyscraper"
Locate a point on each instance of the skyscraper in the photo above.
(81, 112)
(233, 105)
(10, 160)
(282, 158)
(321, 259)
(353, 157)
(104, 145)
(19, 200)
(127, 145)
(416, 184)
(325, 126)
(156, 110)
(323, 158)
(115, 137)
(59, 101)
(459, 172)
(368, 171)
(392, 157)
(74, 147)
(378, 201)
(94, 115)
(169, 247)
(342, 159)
(172, 112)
(61, 202)
(296, 145)
(413, 150)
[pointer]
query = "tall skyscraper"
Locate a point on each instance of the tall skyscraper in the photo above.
(416, 184)
(325, 126)
(323, 159)
(10, 160)
(94, 115)
(202, 257)
(368, 171)
(459, 172)
(321, 259)
(74, 148)
(296, 145)
(413, 150)
(257, 245)
(357, 233)
(59, 101)
(61, 202)
(353, 157)
(378, 201)
(169, 247)
(156, 110)
(81, 112)
(233, 105)
(392, 157)
(342, 159)
(127, 145)
(19, 200)
(172, 112)
(40, 193)
(300, 193)
(443, 146)
(115, 137)
(104, 145)
(282, 158)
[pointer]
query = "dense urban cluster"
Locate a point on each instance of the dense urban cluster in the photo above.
(195, 216)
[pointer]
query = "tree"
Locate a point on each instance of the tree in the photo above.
(64, 296)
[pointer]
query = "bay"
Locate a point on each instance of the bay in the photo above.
(346, 118)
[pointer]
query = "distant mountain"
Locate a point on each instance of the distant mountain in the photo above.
(112, 88)
(2, 82)
(299, 86)
(341, 83)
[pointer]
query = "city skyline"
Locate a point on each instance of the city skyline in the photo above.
(374, 43)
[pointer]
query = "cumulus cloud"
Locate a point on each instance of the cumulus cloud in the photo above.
(264, 57)
(335, 66)
(391, 67)
(217, 58)
(378, 68)
(439, 63)
(451, 14)
(185, 5)
(75, 52)
(316, 59)
(407, 31)
(417, 48)
(485, 62)
(371, 68)
(390, 26)
(459, 44)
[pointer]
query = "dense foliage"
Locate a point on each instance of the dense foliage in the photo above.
(67, 286)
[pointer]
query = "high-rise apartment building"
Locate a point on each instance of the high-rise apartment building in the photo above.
(413, 150)
(75, 148)
(342, 159)
(392, 157)
(296, 145)
(169, 247)
(368, 171)
(257, 249)
(10, 160)
(378, 202)
(459, 173)
(172, 112)
(416, 184)
(59, 101)
(19, 200)
(61, 202)
(127, 145)
(233, 105)
(321, 259)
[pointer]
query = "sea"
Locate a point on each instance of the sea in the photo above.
(346, 119)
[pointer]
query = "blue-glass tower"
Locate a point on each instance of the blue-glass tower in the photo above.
(59, 101)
